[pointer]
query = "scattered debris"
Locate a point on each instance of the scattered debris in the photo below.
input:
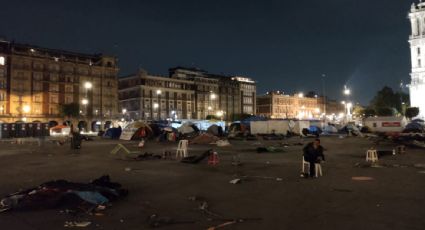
(197, 159)
(204, 208)
(81, 224)
(269, 149)
(263, 177)
(419, 165)
(205, 138)
(155, 221)
(341, 190)
(235, 181)
(362, 178)
(223, 143)
(232, 221)
(61, 193)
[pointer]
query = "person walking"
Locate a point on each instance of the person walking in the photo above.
(313, 153)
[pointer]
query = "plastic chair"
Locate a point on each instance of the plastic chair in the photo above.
(371, 155)
(182, 148)
(317, 168)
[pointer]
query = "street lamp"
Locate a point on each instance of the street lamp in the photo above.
(124, 111)
(26, 108)
(84, 101)
(300, 95)
(156, 105)
(88, 85)
(346, 91)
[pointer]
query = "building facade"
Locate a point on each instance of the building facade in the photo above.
(417, 50)
(277, 105)
(35, 82)
(187, 93)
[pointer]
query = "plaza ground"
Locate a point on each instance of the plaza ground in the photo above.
(394, 199)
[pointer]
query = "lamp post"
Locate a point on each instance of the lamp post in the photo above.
(87, 85)
(124, 111)
(158, 95)
(324, 94)
(26, 109)
(213, 96)
(348, 105)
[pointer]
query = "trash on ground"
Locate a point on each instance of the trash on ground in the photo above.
(235, 181)
(61, 193)
(269, 149)
(232, 221)
(80, 224)
(223, 143)
(197, 159)
(155, 221)
(341, 190)
(362, 178)
(205, 138)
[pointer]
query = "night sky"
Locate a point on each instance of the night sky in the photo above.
(284, 45)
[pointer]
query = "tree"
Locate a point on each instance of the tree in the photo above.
(412, 112)
(369, 112)
(385, 111)
(70, 110)
(387, 98)
(241, 116)
(212, 117)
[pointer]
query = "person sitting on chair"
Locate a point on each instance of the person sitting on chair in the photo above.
(313, 153)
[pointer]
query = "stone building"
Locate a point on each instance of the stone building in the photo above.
(279, 105)
(417, 50)
(152, 97)
(187, 93)
(36, 81)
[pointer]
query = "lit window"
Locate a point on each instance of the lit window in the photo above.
(2, 60)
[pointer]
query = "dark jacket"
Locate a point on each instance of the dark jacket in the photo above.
(312, 154)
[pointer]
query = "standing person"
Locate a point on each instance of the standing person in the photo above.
(313, 153)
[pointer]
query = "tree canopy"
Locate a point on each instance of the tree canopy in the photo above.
(386, 99)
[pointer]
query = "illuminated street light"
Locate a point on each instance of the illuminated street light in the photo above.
(220, 113)
(209, 108)
(346, 91)
(124, 111)
(88, 85)
(158, 92)
(213, 96)
(300, 95)
(84, 101)
(155, 105)
(26, 108)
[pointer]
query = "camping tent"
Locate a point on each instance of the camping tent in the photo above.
(187, 127)
(215, 130)
(60, 130)
(135, 131)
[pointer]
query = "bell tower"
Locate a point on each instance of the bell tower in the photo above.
(417, 53)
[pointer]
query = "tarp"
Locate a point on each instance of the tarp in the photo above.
(60, 130)
(186, 128)
(136, 130)
(215, 130)
(330, 129)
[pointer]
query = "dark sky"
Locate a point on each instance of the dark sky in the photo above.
(283, 44)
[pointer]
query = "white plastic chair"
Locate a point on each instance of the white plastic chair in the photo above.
(182, 148)
(317, 168)
(371, 155)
